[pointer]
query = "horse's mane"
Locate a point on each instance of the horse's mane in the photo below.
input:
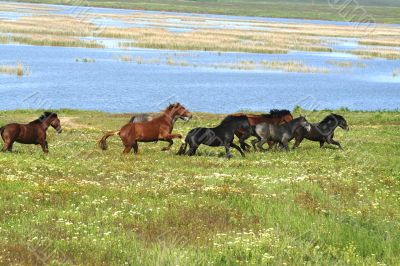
(231, 118)
(275, 113)
(172, 105)
(44, 116)
(329, 117)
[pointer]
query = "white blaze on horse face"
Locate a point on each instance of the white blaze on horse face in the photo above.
(307, 126)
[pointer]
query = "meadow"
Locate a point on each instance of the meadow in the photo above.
(83, 206)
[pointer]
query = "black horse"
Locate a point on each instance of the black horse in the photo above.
(222, 135)
(281, 134)
(322, 131)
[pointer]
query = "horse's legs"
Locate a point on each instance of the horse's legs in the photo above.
(261, 143)
(44, 146)
(330, 140)
(233, 145)
(255, 141)
(228, 150)
(135, 147)
(285, 144)
(10, 147)
(182, 149)
(192, 150)
(298, 141)
(128, 149)
(242, 141)
(169, 146)
(321, 143)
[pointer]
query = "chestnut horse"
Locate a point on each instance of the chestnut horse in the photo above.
(159, 128)
(275, 117)
(32, 133)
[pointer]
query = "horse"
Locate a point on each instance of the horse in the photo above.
(159, 128)
(31, 133)
(221, 135)
(322, 131)
(275, 117)
(281, 134)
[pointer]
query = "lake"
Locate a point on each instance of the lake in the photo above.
(58, 78)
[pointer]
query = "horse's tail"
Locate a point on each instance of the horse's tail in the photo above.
(103, 142)
(182, 149)
(2, 130)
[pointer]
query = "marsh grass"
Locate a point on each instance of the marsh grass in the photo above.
(80, 205)
(391, 54)
(127, 58)
(274, 38)
(48, 40)
(19, 69)
(346, 64)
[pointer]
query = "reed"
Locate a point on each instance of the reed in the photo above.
(390, 54)
(127, 58)
(346, 64)
(48, 40)
(19, 69)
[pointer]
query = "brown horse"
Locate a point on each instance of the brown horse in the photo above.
(32, 133)
(275, 117)
(159, 128)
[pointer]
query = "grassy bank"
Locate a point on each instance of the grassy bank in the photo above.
(382, 11)
(80, 205)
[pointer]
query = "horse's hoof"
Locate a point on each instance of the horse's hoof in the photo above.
(165, 149)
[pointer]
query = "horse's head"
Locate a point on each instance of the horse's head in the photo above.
(52, 120)
(341, 122)
(304, 123)
(177, 110)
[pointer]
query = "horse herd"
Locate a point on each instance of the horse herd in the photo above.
(276, 128)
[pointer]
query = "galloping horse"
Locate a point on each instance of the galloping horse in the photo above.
(159, 128)
(32, 133)
(275, 117)
(322, 131)
(281, 134)
(221, 135)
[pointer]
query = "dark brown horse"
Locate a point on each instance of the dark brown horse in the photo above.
(159, 128)
(32, 133)
(275, 117)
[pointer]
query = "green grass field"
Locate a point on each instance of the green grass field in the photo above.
(386, 11)
(83, 206)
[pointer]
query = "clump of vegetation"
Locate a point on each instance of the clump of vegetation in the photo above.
(19, 69)
(46, 40)
(85, 60)
(126, 58)
(172, 62)
(287, 66)
(396, 72)
(391, 54)
(346, 64)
